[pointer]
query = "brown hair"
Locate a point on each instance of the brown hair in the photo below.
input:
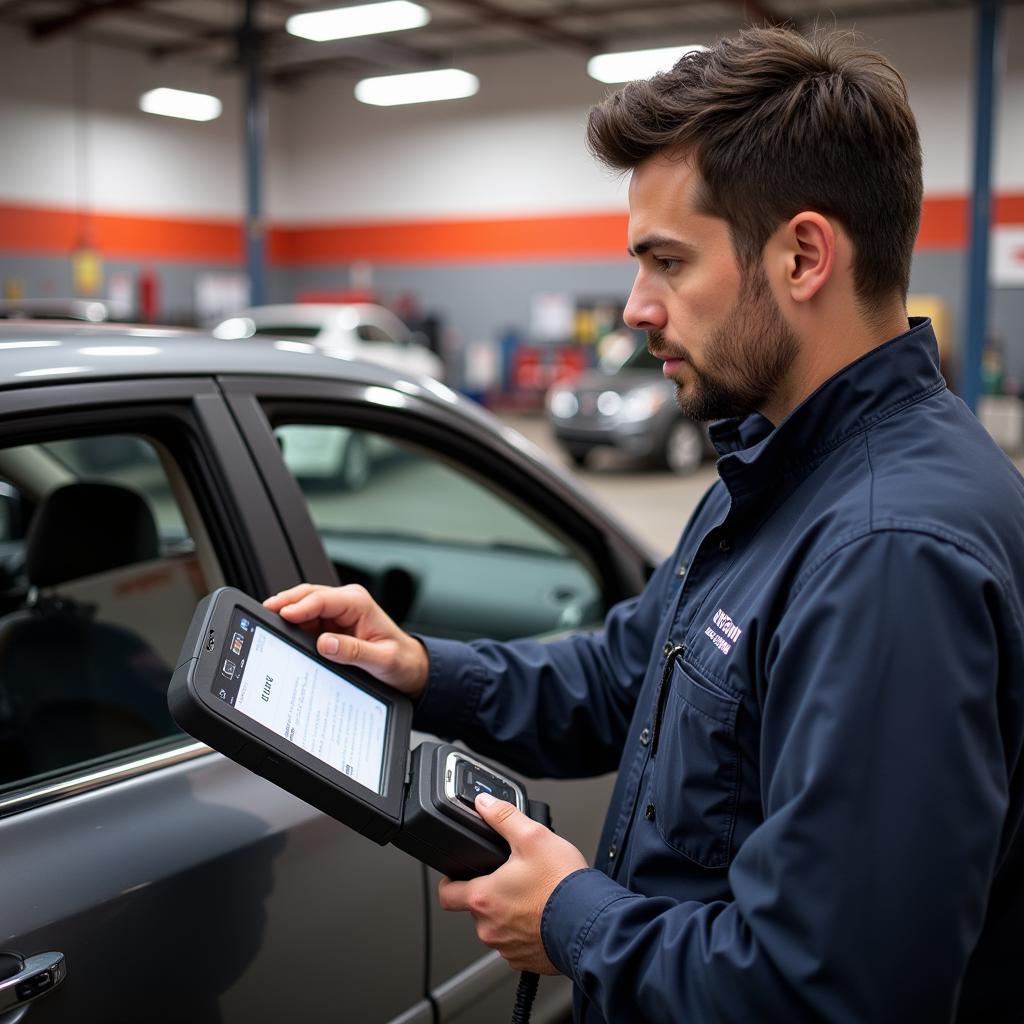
(777, 122)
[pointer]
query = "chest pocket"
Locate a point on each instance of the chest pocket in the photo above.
(696, 772)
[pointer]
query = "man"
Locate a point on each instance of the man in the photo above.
(817, 704)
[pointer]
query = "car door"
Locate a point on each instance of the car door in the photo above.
(458, 531)
(178, 886)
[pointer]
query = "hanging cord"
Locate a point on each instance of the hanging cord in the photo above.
(526, 992)
(435, 1012)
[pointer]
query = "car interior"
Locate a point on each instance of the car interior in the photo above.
(94, 588)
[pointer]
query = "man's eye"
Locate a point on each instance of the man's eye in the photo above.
(666, 263)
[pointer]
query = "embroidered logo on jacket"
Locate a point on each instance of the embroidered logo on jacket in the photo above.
(726, 634)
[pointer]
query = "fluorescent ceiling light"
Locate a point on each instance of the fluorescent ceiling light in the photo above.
(192, 106)
(635, 64)
(364, 20)
(418, 87)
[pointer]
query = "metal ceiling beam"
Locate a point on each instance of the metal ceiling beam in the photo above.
(43, 27)
(755, 10)
(537, 25)
(292, 59)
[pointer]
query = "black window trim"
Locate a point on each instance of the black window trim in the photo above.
(258, 404)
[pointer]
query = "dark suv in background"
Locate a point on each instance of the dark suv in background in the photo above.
(628, 406)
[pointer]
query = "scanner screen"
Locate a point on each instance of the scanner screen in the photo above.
(312, 706)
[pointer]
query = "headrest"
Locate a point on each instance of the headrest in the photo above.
(85, 528)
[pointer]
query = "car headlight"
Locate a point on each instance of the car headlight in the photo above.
(643, 402)
(563, 403)
(609, 403)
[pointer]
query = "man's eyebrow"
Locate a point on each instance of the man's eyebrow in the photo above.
(650, 242)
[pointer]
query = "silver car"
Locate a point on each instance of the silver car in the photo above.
(140, 469)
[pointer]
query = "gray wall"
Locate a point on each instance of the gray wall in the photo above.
(479, 302)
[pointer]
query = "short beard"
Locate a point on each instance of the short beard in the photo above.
(752, 350)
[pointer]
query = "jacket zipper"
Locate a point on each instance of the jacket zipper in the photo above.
(670, 660)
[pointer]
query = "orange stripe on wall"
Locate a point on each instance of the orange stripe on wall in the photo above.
(944, 223)
(576, 236)
(40, 231)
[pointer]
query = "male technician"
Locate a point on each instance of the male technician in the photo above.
(816, 706)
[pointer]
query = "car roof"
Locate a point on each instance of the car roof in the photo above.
(34, 353)
(313, 312)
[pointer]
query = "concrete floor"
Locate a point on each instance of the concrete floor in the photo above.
(655, 505)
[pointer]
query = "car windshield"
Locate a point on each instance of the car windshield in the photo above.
(288, 331)
(641, 359)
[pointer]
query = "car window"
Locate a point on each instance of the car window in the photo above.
(371, 332)
(287, 331)
(445, 552)
(99, 577)
(641, 359)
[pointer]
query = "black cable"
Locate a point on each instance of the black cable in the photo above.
(526, 992)
(435, 1013)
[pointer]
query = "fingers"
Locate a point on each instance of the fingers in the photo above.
(453, 895)
(277, 601)
(507, 821)
(354, 630)
(311, 602)
(376, 657)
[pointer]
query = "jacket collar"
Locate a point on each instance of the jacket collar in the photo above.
(754, 455)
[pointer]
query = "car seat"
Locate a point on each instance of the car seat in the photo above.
(73, 688)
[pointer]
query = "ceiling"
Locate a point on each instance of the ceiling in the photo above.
(209, 31)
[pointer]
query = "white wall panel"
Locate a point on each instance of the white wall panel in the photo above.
(515, 149)
(134, 162)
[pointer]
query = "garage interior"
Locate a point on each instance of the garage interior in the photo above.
(484, 225)
(482, 218)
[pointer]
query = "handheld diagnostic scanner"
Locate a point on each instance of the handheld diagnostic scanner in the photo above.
(253, 687)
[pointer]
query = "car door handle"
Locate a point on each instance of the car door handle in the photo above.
(34, 976)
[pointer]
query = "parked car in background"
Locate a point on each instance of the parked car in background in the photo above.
(140, 469)
(628, 406)
(89, 310)
(359, 330)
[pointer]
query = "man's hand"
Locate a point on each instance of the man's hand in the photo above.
(507, 905)
(354, 630)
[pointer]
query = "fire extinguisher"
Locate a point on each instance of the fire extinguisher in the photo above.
(149, 296)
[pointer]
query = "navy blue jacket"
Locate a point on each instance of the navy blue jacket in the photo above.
(816, 708)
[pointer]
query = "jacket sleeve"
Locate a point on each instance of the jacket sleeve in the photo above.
(559, 709)
(886, 767)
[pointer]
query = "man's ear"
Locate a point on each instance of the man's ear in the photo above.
(809, 243)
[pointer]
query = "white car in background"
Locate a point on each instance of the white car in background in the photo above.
(358, 330)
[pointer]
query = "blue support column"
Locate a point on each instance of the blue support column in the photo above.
(255, 130)
(985, 71)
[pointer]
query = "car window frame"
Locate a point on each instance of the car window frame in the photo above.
(619, 565)
(189, 417)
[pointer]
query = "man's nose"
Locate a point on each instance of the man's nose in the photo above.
(643, 310)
